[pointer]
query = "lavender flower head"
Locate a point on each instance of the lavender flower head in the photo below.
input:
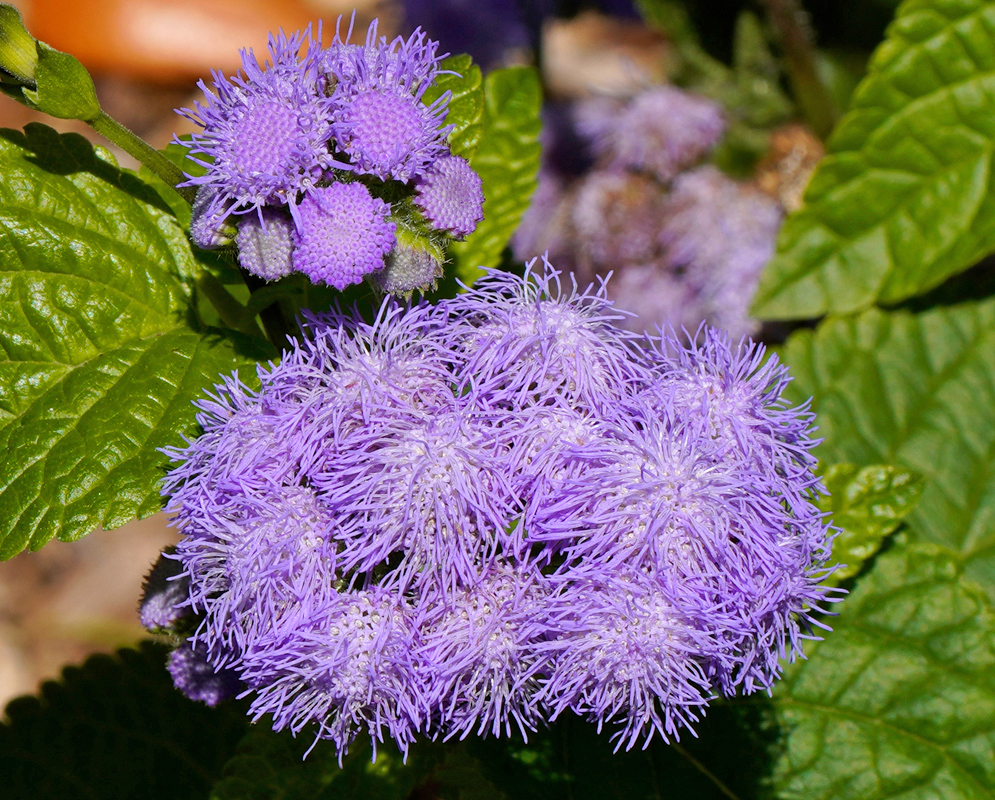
(662, 131)
(379, 119)
(451, 196)
(476, 516)
(266, 131)
(343, 233)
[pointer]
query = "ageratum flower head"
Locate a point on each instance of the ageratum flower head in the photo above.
(477, 516)
(380, 121)
(266, 130)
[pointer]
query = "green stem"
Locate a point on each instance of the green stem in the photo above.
(142, 151)
(798, 41)
(274, 323)
(232, 313)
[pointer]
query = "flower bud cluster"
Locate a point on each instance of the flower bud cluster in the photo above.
(474, 516)
(315, 160)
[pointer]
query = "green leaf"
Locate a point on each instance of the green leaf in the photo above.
(916, 391)
(899, 700)
(273, 766)
(18, 50)
(571, 760)
(115, 728)
(867, 503)
(466, 106)
(64, 88)
(99, 355)
(507, 160)
(904, 198)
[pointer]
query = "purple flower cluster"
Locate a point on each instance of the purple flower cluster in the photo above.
(472, 517)
(685, 242)
(319, 155)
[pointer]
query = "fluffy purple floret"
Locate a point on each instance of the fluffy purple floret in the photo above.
(266, 132)
(379, 119)
(433, 489)
(342, 234)
(530, 340)
(193, 675)
(251, 560)
(343, 664)
(265, 243)
(662, 131)
(623, 656)
(450, 194)
(479, 652)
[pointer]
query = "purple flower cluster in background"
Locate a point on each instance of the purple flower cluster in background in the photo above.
(686, 243)
(318, 156)
(474, 516)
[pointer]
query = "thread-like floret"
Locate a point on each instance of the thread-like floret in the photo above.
(342, 234)
(380, 121)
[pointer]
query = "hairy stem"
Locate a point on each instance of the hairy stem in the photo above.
(142, 151)
(798, 41)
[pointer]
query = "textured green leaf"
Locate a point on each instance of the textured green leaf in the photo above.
(867, 504)
(905, 197)
(99, 356)
(115, 728)
(917, 391)
(899, 701)
(466, 106)
(507, 160)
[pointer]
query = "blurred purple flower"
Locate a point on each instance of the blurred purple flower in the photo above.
(661, 131)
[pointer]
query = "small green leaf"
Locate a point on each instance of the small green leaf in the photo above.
(115, 729)
(867, 504)
(905, 197)
(100, 356)
(64, 88)
(466, 106)
(899, 700)
(507, 160)
(916, 391)
(18, 50)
